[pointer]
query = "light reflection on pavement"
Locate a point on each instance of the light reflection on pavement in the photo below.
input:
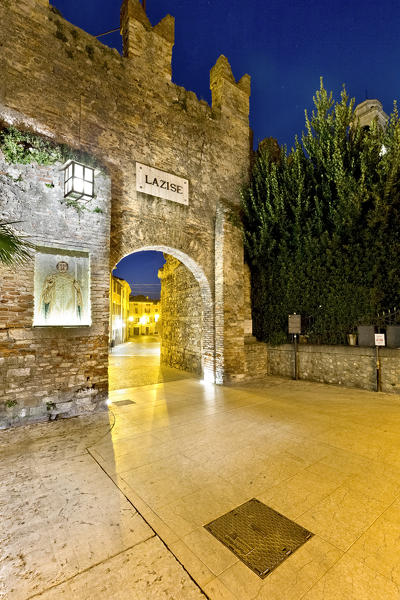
(137, 363)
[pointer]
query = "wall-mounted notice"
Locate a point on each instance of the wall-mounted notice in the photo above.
(161, 184)
(294, 323)
(379, 339)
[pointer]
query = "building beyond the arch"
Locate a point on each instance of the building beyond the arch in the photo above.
(151, 138)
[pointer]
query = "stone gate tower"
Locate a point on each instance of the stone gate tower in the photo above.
(61, 83)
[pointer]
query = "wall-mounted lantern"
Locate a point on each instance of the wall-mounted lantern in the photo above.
(78, 181)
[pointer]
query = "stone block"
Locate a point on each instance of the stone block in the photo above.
(23, 372)
(62, 407)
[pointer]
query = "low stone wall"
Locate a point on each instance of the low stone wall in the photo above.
(352, 366)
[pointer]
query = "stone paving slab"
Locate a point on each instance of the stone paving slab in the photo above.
(147, 571)
(62, 516)
(325, 456)
(184, 454)
(145, 369)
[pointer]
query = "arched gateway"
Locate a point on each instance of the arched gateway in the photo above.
(207, 314)
(173, 169)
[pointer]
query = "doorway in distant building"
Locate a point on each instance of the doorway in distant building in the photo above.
(156, 321)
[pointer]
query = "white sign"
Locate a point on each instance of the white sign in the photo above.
(379, 339)
(161, 184)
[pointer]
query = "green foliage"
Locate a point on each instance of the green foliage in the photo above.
(13, 249)
(24, 147)
(75, 204)
(10, 403)
(21, 147)
(322, 225)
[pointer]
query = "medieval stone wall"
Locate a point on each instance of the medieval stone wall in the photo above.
(47, 371)
(181, 318)
(59, 81)
(351, 366)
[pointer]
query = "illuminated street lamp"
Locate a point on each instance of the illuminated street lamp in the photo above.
(78, 181)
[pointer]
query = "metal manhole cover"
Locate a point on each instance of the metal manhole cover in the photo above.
(258, 535)
(123, 402)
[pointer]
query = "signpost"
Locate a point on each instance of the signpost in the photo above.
(379, 341)
(294, 327)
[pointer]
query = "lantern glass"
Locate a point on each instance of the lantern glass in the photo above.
(78, 181)
(78, 185)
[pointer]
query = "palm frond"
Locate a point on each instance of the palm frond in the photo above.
(13, 249)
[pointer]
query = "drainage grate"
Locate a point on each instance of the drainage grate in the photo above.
(258, 535)
(123, 402)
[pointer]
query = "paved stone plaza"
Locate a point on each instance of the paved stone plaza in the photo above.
(145, 369)
(183, 454)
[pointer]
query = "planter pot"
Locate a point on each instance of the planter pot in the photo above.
(366, 335)
(393, 336)
(352, 339)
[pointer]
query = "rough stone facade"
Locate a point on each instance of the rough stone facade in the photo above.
(256, 356)
(351, 366)
(60, 82)
(40, 375)
(182, 317)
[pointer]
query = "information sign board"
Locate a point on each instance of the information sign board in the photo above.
(294, 324)
(379, 339)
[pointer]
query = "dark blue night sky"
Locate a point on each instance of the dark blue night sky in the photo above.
(140, 271)
(285, 46)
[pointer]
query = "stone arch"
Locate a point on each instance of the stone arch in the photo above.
(208, 341)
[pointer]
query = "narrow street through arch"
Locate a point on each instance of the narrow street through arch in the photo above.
(156, 321)
(137, 363)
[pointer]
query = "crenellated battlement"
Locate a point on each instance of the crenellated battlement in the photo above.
(147, 58)
(143, 69)
(144, 44)
(227, 94)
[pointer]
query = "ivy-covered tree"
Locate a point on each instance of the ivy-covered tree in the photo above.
(322, 224)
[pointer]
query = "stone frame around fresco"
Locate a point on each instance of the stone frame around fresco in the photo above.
(62, 253)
